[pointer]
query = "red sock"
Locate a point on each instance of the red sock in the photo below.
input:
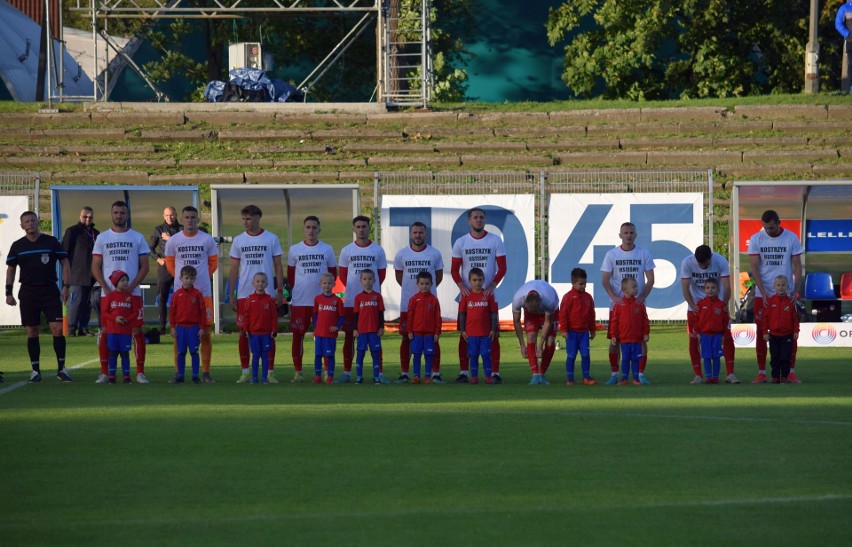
(103, 351)
(531, 358)
(728, 351)
(243, 346)
(613, 361)
(296, 351)
(139, 342)
(760, 350)
(348, 350)
(495, 356)
(793, 355)
(464, 360)
(695, 355)
(405, 354)
(547, 357)
(436, 359)
(642, 362)
(272, 354)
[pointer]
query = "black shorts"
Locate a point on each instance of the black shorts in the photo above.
(38, 299)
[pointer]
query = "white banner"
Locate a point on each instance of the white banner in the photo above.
(510, 216)
(811, 335)
(583, 227)
(11, 208)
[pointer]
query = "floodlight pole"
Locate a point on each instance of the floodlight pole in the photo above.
(812, 52)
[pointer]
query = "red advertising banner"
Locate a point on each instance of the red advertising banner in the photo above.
(749, 227)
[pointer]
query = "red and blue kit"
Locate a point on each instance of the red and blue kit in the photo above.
(713, 316)
(369, 318)
(477, 308)
(261, 313)
(424, 314)
(119, 337)
(424, 324)
(188, 315)
(187, 308)
(477, 319)
(369, 310)
(328, 314)
(576, 321)
(629, 325)
(262, 322)
(713, 321)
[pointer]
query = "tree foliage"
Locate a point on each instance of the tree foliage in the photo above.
(659, 49)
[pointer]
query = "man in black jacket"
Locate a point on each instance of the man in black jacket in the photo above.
(157, 243)
(78, 242)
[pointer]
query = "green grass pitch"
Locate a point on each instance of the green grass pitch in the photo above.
(225, 464)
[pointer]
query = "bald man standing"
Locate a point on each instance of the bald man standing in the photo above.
(157, 244)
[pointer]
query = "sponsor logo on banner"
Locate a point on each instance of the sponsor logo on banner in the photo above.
(584, 227)
(743, 335)
(750, 227)
(823, 333)
(811, 335)
(512, 217)
(823, 236)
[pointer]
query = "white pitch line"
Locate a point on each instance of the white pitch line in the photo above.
(437, 512)
(13, 387)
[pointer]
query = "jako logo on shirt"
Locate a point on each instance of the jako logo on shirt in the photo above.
(327, 307)
(823, 333)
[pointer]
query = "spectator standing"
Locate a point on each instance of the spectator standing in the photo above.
(157, 244)
(78, 242)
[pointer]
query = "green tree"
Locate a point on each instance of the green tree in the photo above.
(659, 49)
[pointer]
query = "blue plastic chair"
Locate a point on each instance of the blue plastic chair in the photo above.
(818, 286)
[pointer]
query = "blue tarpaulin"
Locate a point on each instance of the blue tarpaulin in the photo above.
(254, 83)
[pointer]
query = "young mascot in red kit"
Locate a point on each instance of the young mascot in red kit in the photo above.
(121, 313)
(713, 320)
(781, 323)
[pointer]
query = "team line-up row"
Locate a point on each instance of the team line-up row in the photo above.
(120, 262)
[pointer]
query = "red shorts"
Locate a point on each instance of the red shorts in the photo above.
(534, 321)
(300, 319)
(137, 302)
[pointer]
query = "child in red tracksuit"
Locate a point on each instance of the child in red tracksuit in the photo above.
(630, 327)
(188, 317)
(713, 320)
(781, 323)
(577, 324)
(262, 317)
(424, 327)
(122, 311)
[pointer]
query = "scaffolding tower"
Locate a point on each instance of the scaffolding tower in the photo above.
(403, 43)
